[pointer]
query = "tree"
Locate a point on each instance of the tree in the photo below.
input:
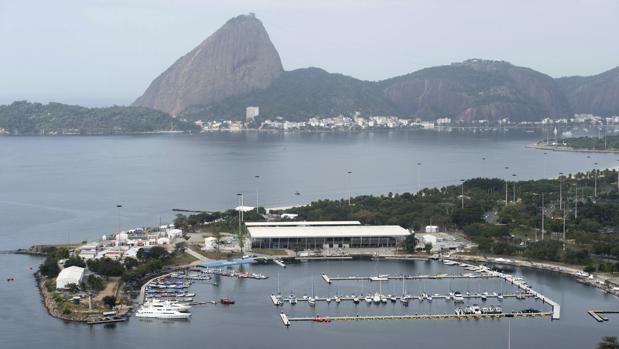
(409, 243)
(94, 283)
(157, 252)
(130, 263)
(75, 261)
(110, 301)
(428, 247)
(608, 343)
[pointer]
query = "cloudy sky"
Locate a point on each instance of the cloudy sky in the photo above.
(103, 52)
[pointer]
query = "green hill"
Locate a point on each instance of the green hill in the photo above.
(25, 118)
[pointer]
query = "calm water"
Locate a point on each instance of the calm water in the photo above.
(66, 189)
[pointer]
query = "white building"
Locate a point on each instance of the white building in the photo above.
(251, 113)
(318, 235)
(69, 276)
(431, 229)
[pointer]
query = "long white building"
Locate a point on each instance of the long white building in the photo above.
(323, 235)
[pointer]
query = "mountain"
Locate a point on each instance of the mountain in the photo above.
(477, 89)
(238, 66)
(25, 118)
(237, 59)
(300, 94)
(598, 94)
(471, 90)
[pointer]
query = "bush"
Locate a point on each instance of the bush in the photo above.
(106, 267)
(109, 301)
(95, 283)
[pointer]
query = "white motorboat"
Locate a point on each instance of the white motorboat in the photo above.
(157, 303)
(458, 297)
(149, 311)
(311, 301)
(376, 298)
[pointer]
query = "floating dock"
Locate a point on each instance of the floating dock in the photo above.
(598, 315)
(330, 279)
(326, 319)
(285, 319)
(280, 300)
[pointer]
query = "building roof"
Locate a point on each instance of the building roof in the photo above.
(328, 231)
(69, 275)
(302, 223)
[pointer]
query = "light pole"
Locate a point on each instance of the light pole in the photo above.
(462, 195)
(595, 186)
(349, 193)
(257, 178)
(514, 175)
(576, 202)
(118, 207)
(240, 195)
(560, 190)
(543, 214)
(418, 177)
(506, 168)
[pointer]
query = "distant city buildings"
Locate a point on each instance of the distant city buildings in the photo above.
(357, 121)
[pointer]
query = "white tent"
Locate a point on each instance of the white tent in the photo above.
(244, 208)
(68, 276)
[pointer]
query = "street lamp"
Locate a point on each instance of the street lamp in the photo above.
(595, 186)
(418, 177)
(349, 193)
(462, 195)
(118, 207)
(506, 168)
(560, 190)
(257, 178)
(514, 175)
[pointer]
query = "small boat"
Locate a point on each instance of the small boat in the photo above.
(311, 301)
(376, 298)
(292, 299)
(383, 299)
(355, 299)
(368, 299)
(337, 299)
(500, 296)
(226, 301)
(392, 298)
(458, 298)
(429, 298)
(328, 299)
(404, 301)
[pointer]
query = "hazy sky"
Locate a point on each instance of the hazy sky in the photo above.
(107, 52)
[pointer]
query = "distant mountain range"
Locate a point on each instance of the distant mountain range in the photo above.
(238, 66)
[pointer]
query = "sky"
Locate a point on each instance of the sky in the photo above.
(106, 52)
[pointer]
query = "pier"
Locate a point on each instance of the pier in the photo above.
(326, 319)
(280, 300)
(329, 279)
(598, 315)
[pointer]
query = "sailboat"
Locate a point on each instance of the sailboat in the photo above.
(404, 298)
(312, 300)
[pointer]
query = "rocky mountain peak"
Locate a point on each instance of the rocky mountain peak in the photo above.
(238, 58)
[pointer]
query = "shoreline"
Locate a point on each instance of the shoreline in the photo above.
(539, 146)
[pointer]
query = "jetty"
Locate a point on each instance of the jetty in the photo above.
(327, 319)
(598, 315)
(328, 279)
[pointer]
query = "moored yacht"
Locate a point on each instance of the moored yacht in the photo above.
(164, 312)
